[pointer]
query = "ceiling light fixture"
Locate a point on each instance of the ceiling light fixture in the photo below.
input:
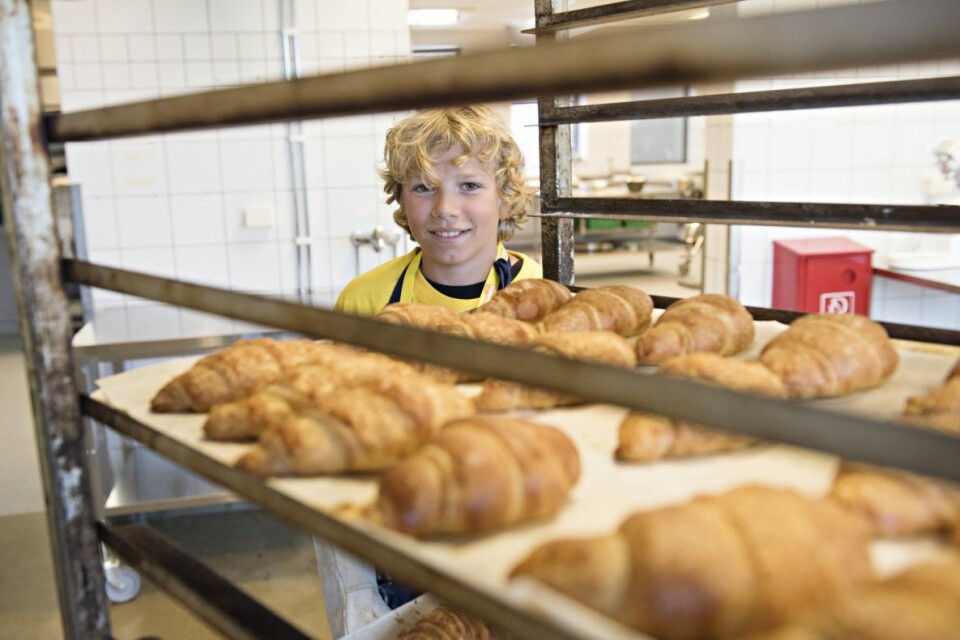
(432, 17)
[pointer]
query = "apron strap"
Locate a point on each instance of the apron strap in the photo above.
(395, 296)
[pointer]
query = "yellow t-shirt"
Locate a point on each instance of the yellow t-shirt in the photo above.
(370, 292)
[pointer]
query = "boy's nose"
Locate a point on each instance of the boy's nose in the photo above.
(444, 205)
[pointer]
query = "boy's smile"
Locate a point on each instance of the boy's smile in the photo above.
(455, 221)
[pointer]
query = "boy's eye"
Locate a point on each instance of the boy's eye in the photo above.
(420, 188)
(471, 186)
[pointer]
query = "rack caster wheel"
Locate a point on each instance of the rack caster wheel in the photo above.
(123, 584)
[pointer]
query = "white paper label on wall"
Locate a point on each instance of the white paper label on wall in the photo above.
(838, 302)
(258, 216)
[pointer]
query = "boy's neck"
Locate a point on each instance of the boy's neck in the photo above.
(461, 274)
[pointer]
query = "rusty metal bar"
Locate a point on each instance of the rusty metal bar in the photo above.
(848, 95)
(357, 540)
(617, 11)
(45, 330)
(556, 168)
(845, 435)
(839, 37)
(214, 600)
(877, 217)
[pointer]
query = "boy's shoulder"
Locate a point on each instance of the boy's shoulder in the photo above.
(530, 267)
(369, 292)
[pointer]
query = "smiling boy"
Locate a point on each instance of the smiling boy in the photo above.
(457, 176)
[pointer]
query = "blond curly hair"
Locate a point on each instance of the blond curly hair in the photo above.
(414, 145)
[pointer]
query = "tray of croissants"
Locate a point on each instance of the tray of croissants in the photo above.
(619, 523)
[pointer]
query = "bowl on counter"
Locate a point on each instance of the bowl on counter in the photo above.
(635, 184)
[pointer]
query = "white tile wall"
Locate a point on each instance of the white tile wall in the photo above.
(173, 204)
(144, 222)
(874, 154)
(198, 219)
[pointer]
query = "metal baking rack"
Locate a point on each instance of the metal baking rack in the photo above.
(880, 33)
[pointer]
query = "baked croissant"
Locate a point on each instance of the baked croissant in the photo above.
(897, 503)
(708, 322)
(939, 409)
(920, 603)
(444, 623)
(235, 371)
(824, 355)
(358, 428)
(618, 308)
(422, 316)
(528, 300)
(646, 437)
(480, 474)
(594, 346)
(715, 567)
(413, 314)
(489, 327)
(306, 386)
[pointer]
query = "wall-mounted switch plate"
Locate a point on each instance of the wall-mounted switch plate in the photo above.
(258, 216)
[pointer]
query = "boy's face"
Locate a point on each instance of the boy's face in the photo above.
(455, 221)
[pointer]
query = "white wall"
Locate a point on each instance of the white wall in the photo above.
(606, 145)
(872, 154)
(173, 204)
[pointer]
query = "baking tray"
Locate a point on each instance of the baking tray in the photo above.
(606, 493)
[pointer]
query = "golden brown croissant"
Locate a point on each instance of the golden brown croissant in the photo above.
(480, 474)
(940, 408)
(444, 623)
(422, 316)
(528, 300)
(646, 437)
(358, 428)
(304, 387)
(594, 346)
(618, 308)
(748, 376)
(897, 503)
(479, 325)
(823, 355)
(234, 372)
(708, 322)
(920, 603)
(489, 327)
(715, 567)
(413, 314)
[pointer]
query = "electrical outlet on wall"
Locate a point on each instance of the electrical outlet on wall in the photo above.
(256, 216)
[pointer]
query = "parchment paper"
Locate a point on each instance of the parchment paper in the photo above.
(607, 491)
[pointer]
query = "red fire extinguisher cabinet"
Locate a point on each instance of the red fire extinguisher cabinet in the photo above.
(822, 275)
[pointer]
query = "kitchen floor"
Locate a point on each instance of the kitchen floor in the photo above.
(269, 560)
